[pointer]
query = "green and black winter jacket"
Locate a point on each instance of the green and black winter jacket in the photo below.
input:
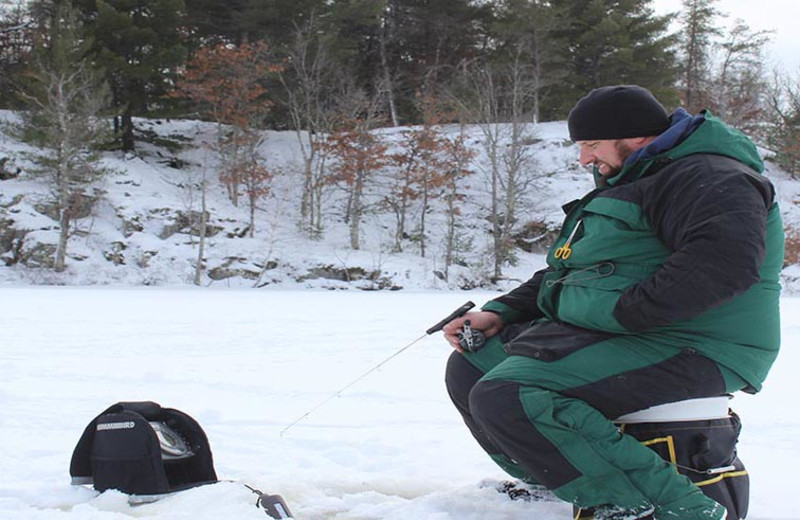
(683, 247)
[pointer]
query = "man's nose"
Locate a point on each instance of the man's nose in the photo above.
(586, 158)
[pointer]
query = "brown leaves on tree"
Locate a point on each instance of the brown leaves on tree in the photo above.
(228, 81)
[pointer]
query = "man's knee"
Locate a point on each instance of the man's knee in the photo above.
(507, 405)
(460, 376)
(494, 402)
(512, 415)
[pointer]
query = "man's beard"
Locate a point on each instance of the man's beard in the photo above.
(624, 150)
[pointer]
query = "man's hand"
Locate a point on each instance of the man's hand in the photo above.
(489, 323)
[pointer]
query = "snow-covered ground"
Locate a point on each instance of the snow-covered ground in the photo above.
(246, 363)
(137, 233)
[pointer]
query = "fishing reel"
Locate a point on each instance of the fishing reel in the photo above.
(173, 445)
(470, 339)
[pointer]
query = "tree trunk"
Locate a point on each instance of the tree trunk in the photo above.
(252, 213)
(450, 237)
(316, 203)
(307, 200)
(127, 139)
(63, 236)
(492, 146)
(401, 225)
(198, 269)
(63, 213)
(355, 211)
(425, 196)
(387, 79)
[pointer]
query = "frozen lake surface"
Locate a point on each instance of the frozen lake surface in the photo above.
(246, 363)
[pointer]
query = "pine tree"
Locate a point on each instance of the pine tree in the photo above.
(698, 30)
(138, 44)
(356, 42)
(612, 42)
(212, 21)
(425, 40)
(16, 40)
(526, 31)
(275, 21)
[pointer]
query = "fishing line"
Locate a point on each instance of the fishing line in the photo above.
(436, 328)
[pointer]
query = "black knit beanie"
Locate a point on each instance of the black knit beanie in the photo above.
(617, 112)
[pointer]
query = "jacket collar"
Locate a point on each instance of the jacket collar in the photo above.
(682, 125)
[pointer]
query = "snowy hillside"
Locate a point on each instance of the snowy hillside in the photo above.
(141, 233)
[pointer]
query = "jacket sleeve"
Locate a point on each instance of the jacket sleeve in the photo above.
(711, 213)
(521, 303)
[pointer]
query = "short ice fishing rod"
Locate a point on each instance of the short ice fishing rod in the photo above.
(436, 328)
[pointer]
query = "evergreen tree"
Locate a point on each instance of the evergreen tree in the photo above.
(698, 30)
(16, 40)
(138, 44)
(356, 31)
(425, 40)
(613, 42)
(525, 32)
(210, 21)
(276, 20)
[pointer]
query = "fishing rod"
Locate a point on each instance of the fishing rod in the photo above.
(436, 328)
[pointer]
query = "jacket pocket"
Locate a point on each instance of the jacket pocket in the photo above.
(589, 301)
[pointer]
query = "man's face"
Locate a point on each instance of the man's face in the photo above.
(606, 154)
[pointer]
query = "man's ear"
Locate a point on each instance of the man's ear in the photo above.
(638, 142)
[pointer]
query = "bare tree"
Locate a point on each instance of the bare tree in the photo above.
(495, 98)
(784, 133)
(740, 85)
(308, 71)
(458, 159)
(65, 97)
(357, 153)
(401, 190)
(255, 177)
(203, 228)
(228, 82)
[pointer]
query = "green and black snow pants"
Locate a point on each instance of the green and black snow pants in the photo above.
(546, 417)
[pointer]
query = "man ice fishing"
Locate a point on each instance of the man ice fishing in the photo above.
(662, 286)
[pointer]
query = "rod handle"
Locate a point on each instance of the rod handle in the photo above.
(455, 314)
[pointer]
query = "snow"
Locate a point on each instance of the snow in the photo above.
(247, 363)
(144, 194)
